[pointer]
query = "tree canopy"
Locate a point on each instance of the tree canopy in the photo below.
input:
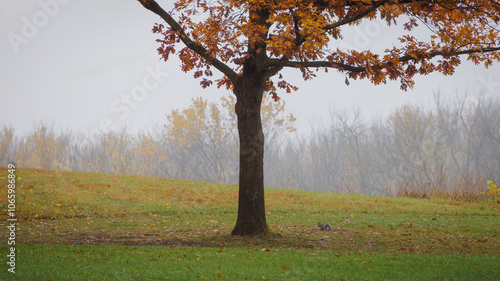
(302, 34)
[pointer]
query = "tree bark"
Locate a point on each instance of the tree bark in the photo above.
(251, 206)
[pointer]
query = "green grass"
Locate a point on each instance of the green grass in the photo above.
(83, 262)
(87, 226)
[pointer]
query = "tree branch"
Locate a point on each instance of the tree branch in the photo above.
(280, 63)
(456, 53)
(288, 63)
(374, 6)
(194, 46)
(356, 17)
(299, 38)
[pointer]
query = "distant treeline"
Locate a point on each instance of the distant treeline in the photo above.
(452, 148)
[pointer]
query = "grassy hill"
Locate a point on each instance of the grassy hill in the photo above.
(107, 227)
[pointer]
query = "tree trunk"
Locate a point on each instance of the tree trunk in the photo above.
(251, 208)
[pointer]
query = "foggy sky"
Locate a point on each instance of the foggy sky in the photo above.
(92, 65)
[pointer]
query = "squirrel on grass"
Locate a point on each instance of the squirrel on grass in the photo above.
(324, 226)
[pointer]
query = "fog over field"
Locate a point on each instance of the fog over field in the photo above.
(93, 65)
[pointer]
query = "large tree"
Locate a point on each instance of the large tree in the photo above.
(252, 41)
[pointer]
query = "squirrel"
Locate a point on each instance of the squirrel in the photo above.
(324, 226)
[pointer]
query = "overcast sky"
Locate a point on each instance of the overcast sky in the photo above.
(91, 65)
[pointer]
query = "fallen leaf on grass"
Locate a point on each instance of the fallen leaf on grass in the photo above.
(285, 267)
